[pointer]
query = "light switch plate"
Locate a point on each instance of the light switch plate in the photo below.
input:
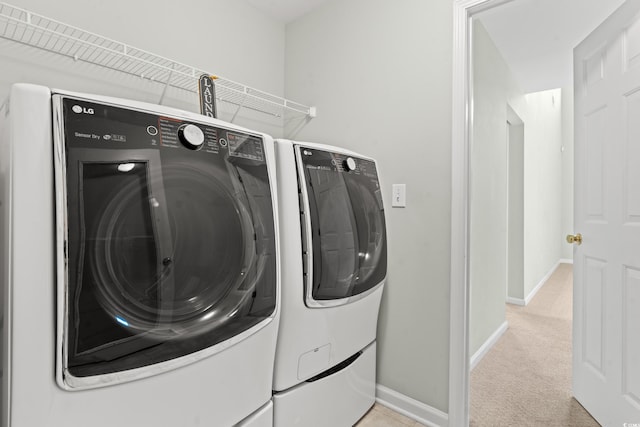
(399, 195)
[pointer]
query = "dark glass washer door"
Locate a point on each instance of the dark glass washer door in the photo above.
(170, 252)
(345, 227)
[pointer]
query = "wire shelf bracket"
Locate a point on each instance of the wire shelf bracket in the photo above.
(31, 29)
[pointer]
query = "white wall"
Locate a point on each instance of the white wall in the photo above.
(543, 186)
(567, 171)
(380, 74)
(224, 37)
(515, 250)
(494, 88)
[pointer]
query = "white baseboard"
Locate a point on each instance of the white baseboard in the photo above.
(542, 281)
(411, 408)
(516, 301)
(490, 342)
(534, 291)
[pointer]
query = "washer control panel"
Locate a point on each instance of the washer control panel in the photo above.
(94, 125)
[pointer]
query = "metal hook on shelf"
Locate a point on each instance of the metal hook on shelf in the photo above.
(166, 86)
(239, 107)
(298, 127)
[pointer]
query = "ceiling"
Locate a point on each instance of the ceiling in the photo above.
(536, 37)
(285, 10)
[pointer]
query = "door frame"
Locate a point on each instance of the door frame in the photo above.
(462, 121)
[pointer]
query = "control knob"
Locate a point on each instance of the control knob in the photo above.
(191, 136)
(349, 164)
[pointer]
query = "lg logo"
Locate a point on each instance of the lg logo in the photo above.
(78, 109)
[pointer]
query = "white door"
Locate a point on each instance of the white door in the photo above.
(606, 334)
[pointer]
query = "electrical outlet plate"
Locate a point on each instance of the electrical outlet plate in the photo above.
(399, 195)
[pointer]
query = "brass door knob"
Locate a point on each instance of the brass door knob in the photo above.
(577, 238)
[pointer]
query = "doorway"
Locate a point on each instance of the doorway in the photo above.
(515, 156)
(461, 262)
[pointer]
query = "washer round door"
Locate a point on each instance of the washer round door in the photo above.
(171, 250)
(157, 276)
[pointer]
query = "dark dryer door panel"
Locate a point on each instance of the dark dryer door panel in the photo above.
(170, 241)
(343, 226)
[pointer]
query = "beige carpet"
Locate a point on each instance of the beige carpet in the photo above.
(525, 380)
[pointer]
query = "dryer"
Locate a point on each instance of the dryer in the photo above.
(334, 267)
(140, 265)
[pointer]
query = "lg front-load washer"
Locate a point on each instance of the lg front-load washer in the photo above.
(139, 265)
(334, 268)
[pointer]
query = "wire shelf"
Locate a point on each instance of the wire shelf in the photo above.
(28, 28)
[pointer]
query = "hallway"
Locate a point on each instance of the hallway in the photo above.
(525, 380)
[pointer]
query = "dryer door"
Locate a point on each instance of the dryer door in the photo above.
(344, 227)
(171, 249)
